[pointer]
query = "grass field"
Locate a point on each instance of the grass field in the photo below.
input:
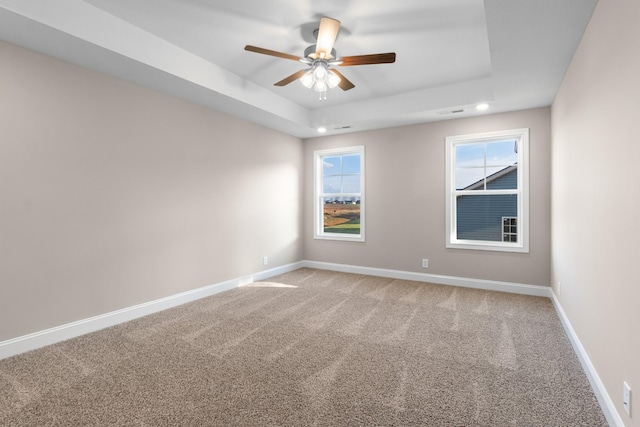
(339, 218)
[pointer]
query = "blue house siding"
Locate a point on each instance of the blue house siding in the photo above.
(479, 217)
(505, 182)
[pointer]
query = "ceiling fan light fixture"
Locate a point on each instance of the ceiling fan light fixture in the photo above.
(307, 79)
(320, 71)
(321, 86)
(333, 79)
(320, 79)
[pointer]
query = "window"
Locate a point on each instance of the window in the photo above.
(339, 194)
(487, 191)
(509, 229)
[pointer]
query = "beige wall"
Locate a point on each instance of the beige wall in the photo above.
(114, 195)
(595, 197)
(405, 196)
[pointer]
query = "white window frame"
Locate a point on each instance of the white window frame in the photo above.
(522, 245)
(318, 195)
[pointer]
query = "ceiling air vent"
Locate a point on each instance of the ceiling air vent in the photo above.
(442, 113)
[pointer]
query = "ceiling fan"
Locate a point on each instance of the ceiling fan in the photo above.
(321, 57)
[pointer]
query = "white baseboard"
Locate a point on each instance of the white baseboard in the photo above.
(607, 405)
(60, 333)
(489, 285)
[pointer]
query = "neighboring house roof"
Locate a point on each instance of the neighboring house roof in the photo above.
(480, 184)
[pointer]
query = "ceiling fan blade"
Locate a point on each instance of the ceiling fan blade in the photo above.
(376, 58)
(271, 52)
(293, 77)
(327, 34)
(344, 84)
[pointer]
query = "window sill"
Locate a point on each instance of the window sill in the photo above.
(339, 238)
(488, 246)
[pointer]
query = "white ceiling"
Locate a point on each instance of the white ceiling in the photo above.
(451, 54)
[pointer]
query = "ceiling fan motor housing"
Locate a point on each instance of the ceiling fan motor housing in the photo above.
(311, 50)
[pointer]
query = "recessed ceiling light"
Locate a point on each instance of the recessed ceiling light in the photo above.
(482, 107)
(321, 130)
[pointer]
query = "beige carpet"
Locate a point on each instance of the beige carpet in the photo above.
(313, 347)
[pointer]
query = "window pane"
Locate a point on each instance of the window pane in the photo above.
(479, 217)
(341, 215)
(330, 166)
(500, 169)
(502, 153)
(331, 185)
(469, 178)
(469, 155)
(351, 184)
(351, 164)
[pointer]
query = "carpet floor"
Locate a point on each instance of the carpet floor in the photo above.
(313, 348)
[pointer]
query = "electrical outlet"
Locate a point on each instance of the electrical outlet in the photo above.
(626, 398)
(265, 260)
(425, 263)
